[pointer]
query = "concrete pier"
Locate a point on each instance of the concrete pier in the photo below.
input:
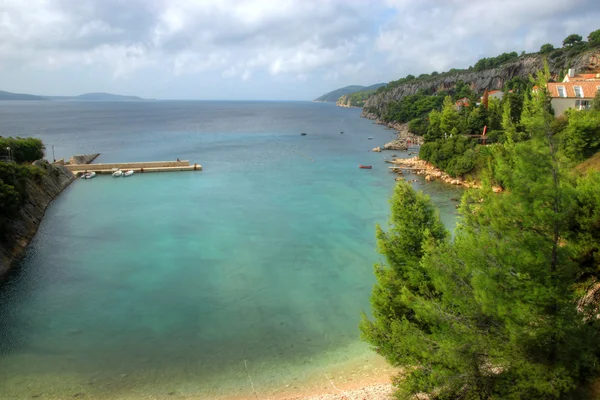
(138, 167)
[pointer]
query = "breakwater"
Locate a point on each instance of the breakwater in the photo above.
(148, 166)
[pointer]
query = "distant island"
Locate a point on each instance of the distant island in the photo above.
(333, 96)
(98, 96)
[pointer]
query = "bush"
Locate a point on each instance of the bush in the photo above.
(454, 155)
(13, 189)
(22, 149)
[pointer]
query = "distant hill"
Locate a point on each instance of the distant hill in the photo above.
(332, 97)
(106, 97)
(82, 97)
(19, 96)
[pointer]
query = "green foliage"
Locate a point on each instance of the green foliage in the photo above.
(419, 126)
(581, 137)
(455, 155)
(13, 180)
(462, 90)
(596, 102)
(357, 99)
(450, 119)
(572, 40)
(594, 38)
(477, 119)
(546, 48)
(499, 312)
(494, 114)
(493, 62)
(412, 106)
(22, 149)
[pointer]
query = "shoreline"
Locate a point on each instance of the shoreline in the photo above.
(40, 195)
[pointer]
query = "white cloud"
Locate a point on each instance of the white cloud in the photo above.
(324, 43)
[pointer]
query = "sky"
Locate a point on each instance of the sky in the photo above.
(263, 49)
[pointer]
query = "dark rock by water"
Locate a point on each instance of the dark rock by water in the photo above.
(39, 195)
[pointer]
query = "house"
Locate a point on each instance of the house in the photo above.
(497, 94)
(572, 77)
(575, 91)
(460, 103)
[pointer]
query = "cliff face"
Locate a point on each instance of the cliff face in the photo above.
(39, 195)
(491, 79)
(344, 101)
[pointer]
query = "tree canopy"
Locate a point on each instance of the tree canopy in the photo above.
(502, 311)
(594, 38)
(546, 48)
(572, 40)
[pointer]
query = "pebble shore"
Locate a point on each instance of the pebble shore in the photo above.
(375, 392)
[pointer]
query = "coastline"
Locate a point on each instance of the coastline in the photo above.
(40, 195)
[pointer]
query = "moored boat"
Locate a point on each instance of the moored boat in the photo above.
(365, 166)
(128, 173)
(89, 175)
(117, 173)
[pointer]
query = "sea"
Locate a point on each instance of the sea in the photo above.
(245, 280)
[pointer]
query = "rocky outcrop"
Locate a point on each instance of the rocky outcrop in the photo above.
(376, 105)
(39, 195)
(422, 167)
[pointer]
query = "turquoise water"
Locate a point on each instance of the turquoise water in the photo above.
(189, 282)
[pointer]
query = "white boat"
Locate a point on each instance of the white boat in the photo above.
(89, 175)
(128, 173)
(117, 173)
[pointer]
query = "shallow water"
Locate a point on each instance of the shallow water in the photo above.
(189, 282)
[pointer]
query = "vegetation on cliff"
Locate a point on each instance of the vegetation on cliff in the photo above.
(334, 95)
(503, 310)
(447, 148)
(14, 175)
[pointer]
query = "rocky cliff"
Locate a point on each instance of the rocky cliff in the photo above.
(495, 78)
(39, 195)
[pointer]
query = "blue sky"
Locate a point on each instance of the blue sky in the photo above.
(263, 49)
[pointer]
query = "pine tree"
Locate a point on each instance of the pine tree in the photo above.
(450, 121)
(502, 311)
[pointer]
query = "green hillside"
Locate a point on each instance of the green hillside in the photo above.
(333, 96)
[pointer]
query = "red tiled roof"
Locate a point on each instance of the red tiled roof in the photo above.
(464, 102)
(493, 91)
(583, 77)
(589, 88)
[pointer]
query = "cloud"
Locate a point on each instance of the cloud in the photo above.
(295, 43)
(438, 35)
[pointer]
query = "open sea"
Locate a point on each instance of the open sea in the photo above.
(247, 279)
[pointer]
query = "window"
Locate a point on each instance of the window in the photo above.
(582, 104)
(561, 91)
(578, 91)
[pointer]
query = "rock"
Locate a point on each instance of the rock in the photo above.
(39, 195)
(478, 81)
(429, 178)
(395, 144)
(377, 150)
(399, 178)
(497, 189)
(83, 158)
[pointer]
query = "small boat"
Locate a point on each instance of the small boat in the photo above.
(89, 175)
(342, 132)
(365, 167)
(128, 173)
(303, 134)
(370, 138)
(117, 173)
